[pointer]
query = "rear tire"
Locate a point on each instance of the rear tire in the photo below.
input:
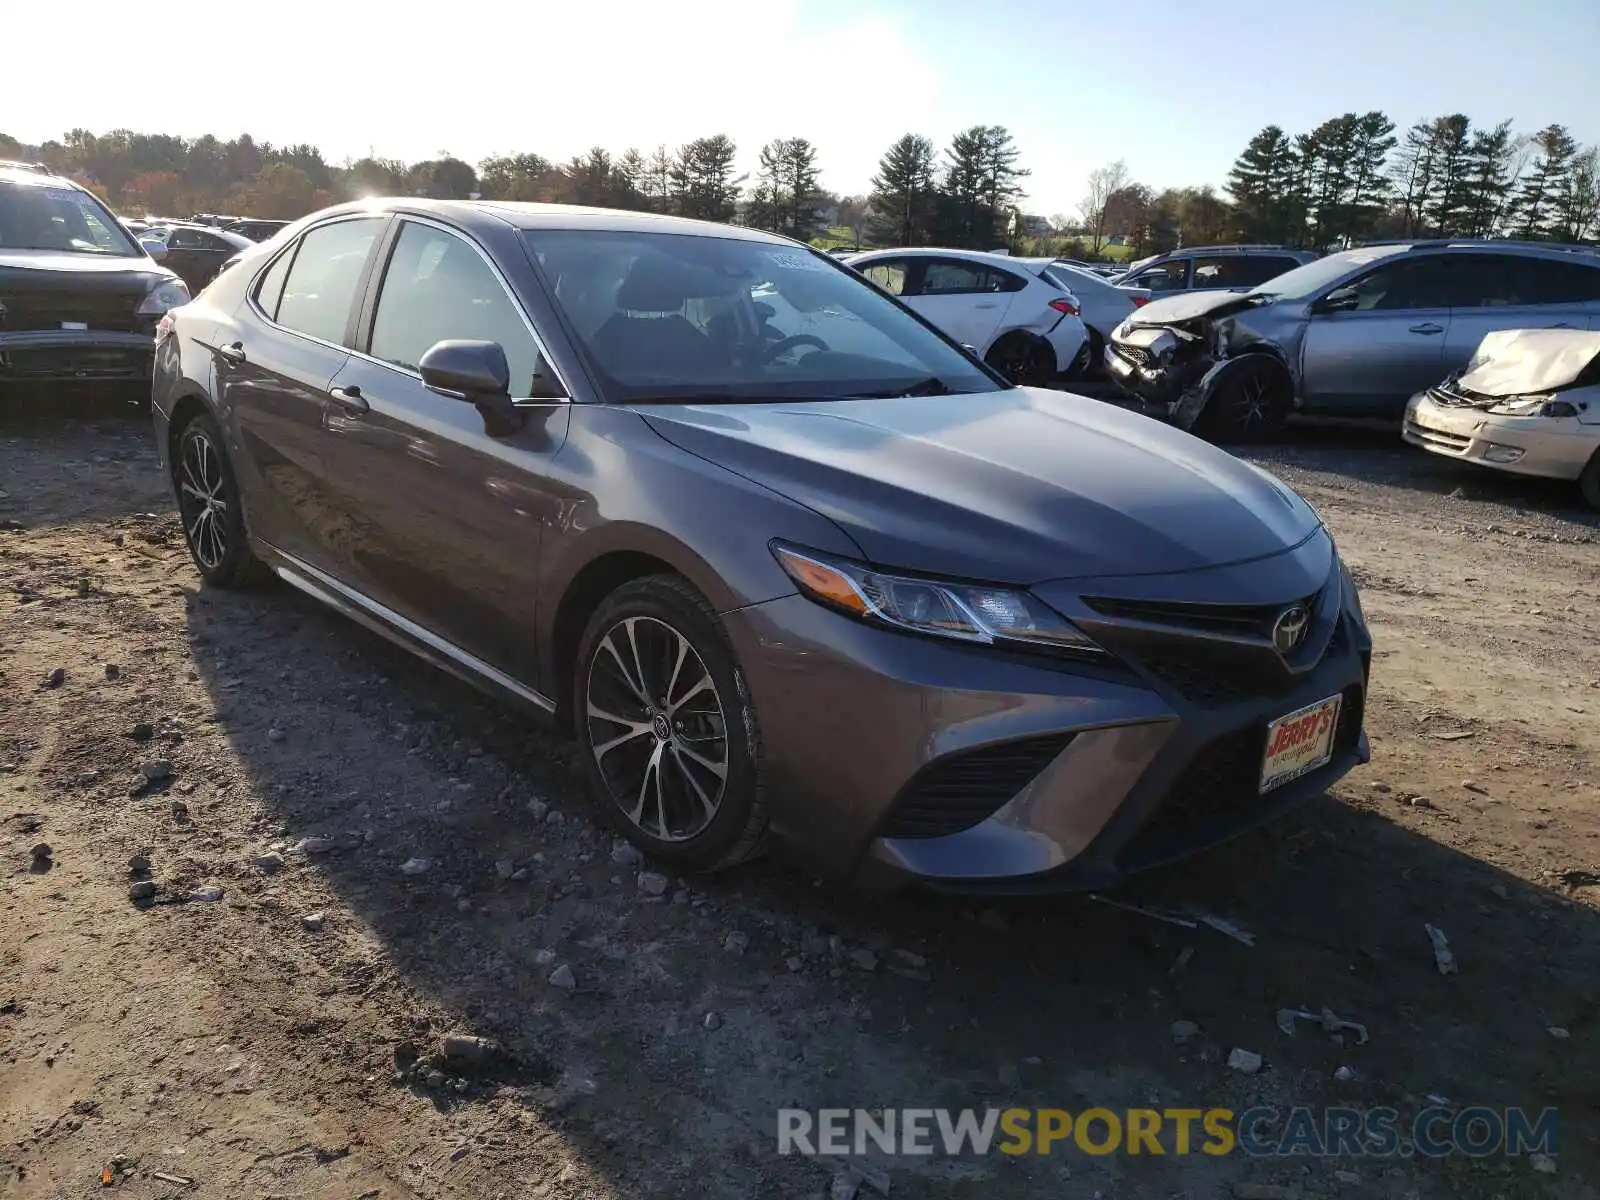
(667, 729)
(1252, 405)
(1589, 481)
(1023, 359)
(207, 492)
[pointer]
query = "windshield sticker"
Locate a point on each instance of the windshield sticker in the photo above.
(791, 260)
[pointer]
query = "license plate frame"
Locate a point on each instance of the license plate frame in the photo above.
(1303, 753)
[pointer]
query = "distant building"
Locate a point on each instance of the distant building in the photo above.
(1032, 225)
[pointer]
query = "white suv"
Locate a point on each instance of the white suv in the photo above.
(1024, 326)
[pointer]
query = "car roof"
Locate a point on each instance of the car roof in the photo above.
(983, 256)
(34, 174)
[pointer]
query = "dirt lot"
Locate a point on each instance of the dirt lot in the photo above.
(235, 1044)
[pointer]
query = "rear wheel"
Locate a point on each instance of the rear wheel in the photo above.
(1023, 359)
(1589, 481)
(1251, 405)
(208, 504)
(668, 728)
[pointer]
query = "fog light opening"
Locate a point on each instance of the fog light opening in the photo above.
(1497, 453)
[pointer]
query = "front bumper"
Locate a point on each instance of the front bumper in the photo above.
(1551, 447)
(866, 733)
(76, 356)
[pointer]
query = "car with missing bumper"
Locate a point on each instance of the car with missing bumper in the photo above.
(79, 296)
(1357, 333)
(851, 594)
(1528, 403)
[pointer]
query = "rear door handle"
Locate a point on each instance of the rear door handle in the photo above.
(350, 399)
(234, 353)
(1427, 327)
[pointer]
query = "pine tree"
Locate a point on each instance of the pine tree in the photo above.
(1539, 198)
(1413, 173)
(1486, 179)
(1579, 207)
(1449, 212)
(655, 181)
(1259, 184)
(981, 185)
(904, 193)
(787, 196)
(702, 179)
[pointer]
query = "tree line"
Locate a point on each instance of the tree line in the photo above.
(1350, 179)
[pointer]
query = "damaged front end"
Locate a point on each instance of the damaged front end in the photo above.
(1173, 355)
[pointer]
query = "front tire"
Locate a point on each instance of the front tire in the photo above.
(667, 728)
(1023, 359)
(1252, 405)
(1589, 481)
(208, 504)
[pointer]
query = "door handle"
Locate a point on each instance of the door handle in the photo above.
(350, 399)
(990, 304)
(234, 352)
(1427, 327)
(1560, 325)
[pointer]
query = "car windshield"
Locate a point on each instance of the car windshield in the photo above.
(1306, 281)
(667, 316)
(33, 217)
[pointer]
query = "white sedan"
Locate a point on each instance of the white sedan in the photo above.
(1019, 322)
(1101, 304)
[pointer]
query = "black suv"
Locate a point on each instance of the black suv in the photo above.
(79, 295)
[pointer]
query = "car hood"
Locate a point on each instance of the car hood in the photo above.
(1517, 362)
(55, 270)
(1174, 310)
(1017, 486)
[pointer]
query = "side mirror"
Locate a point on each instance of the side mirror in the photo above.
(1339, 300)
(154, 247)
(477, 373)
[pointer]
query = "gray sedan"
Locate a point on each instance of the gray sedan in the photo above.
(1353, 334)
(791, 565)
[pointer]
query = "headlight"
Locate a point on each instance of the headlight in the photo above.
(169, 293)
(1535, 406)
(963, 612)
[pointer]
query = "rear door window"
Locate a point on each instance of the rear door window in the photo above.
(1546, 281)
(891, 275)
(326, 274)
(954, 277)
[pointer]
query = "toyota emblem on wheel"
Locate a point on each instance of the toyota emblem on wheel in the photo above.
(1290, 628)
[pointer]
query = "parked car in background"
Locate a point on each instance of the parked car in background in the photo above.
(1527, 403)
(1102, 306)
(1212, 268)
(1039, 642)
(79, 294)
(1357, 333)
(256, 229)
(197, 252)
(1021, 324)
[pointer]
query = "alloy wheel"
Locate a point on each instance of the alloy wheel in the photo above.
(657, 729)
(202, 499)
(1253, 403)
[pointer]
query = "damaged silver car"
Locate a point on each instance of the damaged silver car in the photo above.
(1354, 334)
(1528, 403)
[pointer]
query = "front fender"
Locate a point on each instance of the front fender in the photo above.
(1192, 403)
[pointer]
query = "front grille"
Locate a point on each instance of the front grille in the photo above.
(75, 362)
(960, 790)
(1439, 439)
(1219, 791)
(1236, 620)
(1137, 355)
(1199, 681)
(49, 310)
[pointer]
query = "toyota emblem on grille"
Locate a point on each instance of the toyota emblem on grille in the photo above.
(1290, 628)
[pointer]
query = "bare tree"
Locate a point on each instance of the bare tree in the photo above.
(1104, 182)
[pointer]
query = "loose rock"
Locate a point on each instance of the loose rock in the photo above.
(312, 922)
(142, 732)
(180, 811)
(156, 770)
(505, 868)
(1246, 1061)
(467, 1049)
(112, 670)
(143, 889)
(1542, 1163)
(1346, 1075)
(562, 977)
(652, 884)
(538, 809)
(206, 893)
(736, 942)
(712, 1021)
(270, 863)
(41, 852)
(626, 854)
(57, 676)
(1184, 1032)
(139, 864)
(276, 735)
(416, 866)
(1558, 1032)
(543, 958)
(866, 960)
(314, 845)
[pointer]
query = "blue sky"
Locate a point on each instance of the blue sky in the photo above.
(1175, 88)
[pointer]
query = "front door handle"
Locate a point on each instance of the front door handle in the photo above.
(234, 353)
(350, 399)
(1560, 325)
(1427, 327)
(990, 304)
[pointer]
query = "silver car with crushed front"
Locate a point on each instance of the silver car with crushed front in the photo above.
(1357, 333)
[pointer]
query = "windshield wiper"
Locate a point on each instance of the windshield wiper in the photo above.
(931, 386)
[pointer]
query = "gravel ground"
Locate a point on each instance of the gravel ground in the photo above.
(395, 858)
